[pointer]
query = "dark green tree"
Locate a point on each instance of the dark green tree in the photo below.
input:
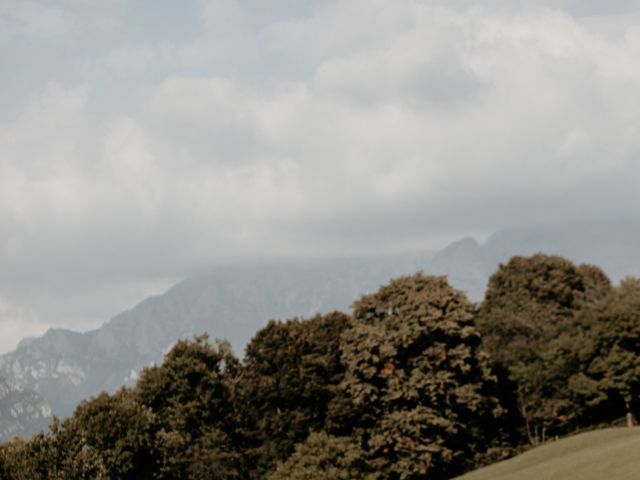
(51, 456)
(291, 372)
(417, 393)
(190, 398)
(4, 471)
(608, 383)
(118, 430)
(177, 423)
(528, 324)
(33, 460)
(324, 457)
(215, 456)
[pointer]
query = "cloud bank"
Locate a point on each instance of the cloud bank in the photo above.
(226, 131)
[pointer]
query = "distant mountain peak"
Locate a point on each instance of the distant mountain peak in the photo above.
(466, 244)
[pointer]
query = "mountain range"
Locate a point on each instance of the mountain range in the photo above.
(234, 301)
(230, 302)
(613, 246)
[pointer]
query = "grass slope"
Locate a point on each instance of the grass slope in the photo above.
(610, 454)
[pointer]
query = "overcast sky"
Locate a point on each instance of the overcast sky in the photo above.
(142, 140)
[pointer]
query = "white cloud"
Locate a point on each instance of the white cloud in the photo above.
(411, 118)
(17, 323)
(43, 21)
(406, 100)
(33, 19)
(224, 15)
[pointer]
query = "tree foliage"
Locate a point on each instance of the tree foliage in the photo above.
(528, 322)
(399, 390)
(607, 384)
(118, 430)
(417, 389)
(324, 457)
(291, 372)
(177, 423)
(51, 456)
(190, 398)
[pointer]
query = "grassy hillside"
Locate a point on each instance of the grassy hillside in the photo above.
(610, 454)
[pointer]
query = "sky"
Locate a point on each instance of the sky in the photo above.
(142, 141)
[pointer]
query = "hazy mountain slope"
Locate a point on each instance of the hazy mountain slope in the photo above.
(466, 265)
(231, 303)
(234, 301)
(22, 412)
(613, 246)
(610, 454)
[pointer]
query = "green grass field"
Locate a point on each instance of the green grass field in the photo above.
(610, 454)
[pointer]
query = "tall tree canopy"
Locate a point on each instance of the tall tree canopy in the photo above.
(191, 398)
(608, 382)
(291, 373)
(324, 457)
(527, 321)
(417, 390)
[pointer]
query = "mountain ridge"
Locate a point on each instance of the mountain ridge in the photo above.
(234, 301)
(230, 303)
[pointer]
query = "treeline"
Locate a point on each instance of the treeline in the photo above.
(416, 383)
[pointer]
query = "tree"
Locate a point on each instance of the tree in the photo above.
(33, 460)
(291, 372)
(177, 422)
(4, 469)
(417, 389)
(118, 430)
(324, 457)
(528, 322)
(50, 456)
(608, 383)
(190, 398)
(214, 456)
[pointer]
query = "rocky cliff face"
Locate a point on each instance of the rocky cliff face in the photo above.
(22, 412)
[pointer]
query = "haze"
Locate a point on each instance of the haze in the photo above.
(143, 141)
